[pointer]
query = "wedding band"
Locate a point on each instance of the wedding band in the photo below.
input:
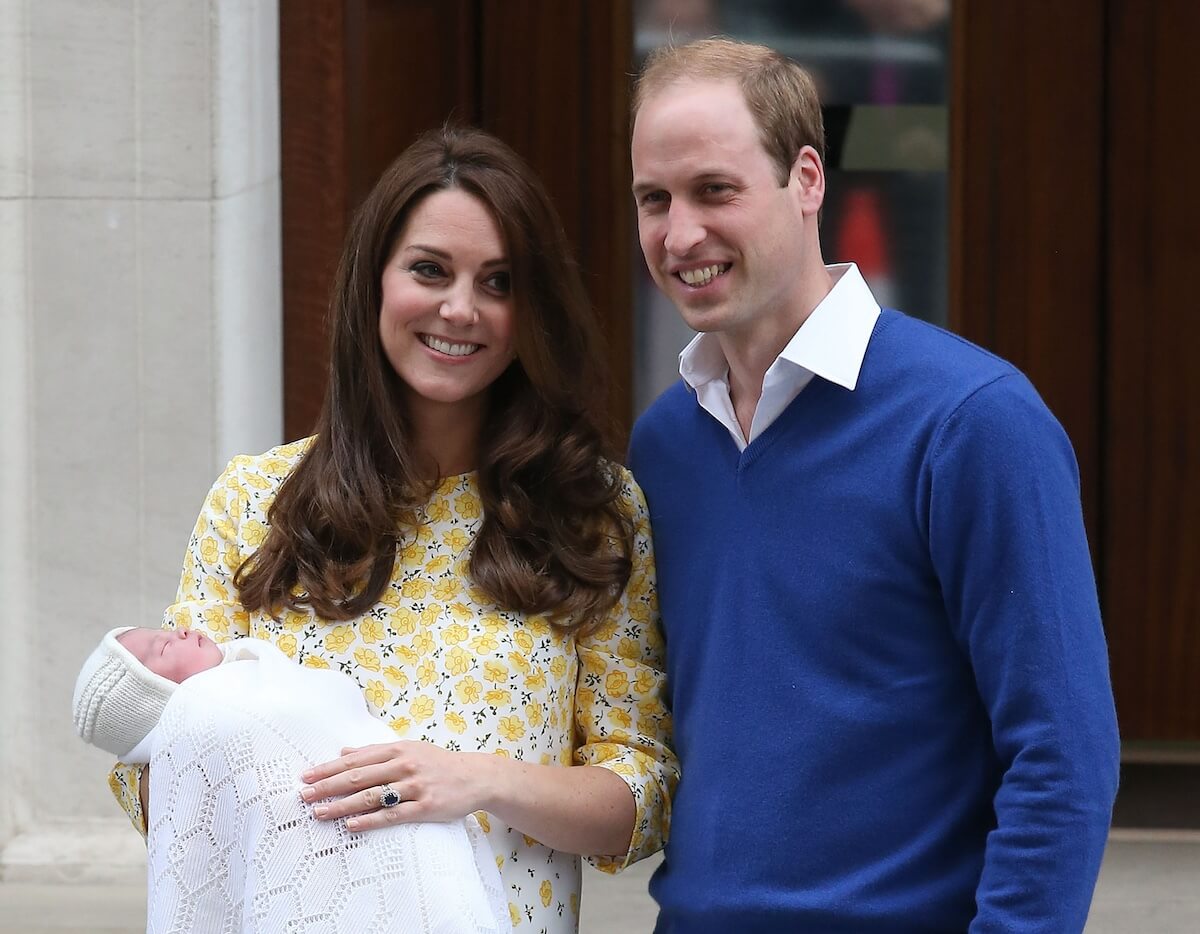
(388, 796)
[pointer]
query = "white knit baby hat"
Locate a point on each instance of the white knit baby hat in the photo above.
(118, 700)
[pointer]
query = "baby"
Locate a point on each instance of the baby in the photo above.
(227, 730)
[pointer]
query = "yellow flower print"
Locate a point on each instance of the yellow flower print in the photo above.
(340, 639)
(458, 661)
(426, 673)
(467, 506)
(537, 680)
(438, 510)
(447, 589)
(368, 659)
(287, 645)
(511, 727)
(412, 553)
(546, 892)
(558, 667)
(533, 713)
(644, 682)
(456, 540)
(523, 640)
(425, 534)
(584, 699)
(574, 903)
(639, 611)
(455, 722)
(370, 630)
(415, 589)
(514, 914)
(460, 611)
(209, 552)
(293, 621)
(390, 597)
(493, 623)
(292, 449)
(407, 655)
(627, 648)
(259, 483)
(232, 559)
(520, 662)
(421, 708)
(593, 665)
(435, 566)
(554, 719)
(454, 634)
(218, 501)
(651, 708)
(404, 621)
(423, 643)
(605, 630)
(400, 725)
(396, 676)
(272, 465)
(484, 644)
(620, 718)
(624, 769)
(484, 821)
(219, 590)
(494, 671)
(430, 615)
(538, 625)
(468, 691)
(638, 586)
(254, 533)
(498, 697)
(315, 661)
(215, 619)
(377, 694)
(529, 841)
(447, 485)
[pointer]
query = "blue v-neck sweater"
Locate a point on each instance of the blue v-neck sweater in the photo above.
(887, 669)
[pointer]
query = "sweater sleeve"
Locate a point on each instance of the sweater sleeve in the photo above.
(205, 600)
(1009, 546)
(620, 715)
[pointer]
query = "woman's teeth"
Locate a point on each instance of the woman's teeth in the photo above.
(704, 275)
(450, 350)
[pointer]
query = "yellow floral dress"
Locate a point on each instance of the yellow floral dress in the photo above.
(439, 662)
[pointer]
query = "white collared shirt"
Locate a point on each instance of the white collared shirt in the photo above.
(831, 344)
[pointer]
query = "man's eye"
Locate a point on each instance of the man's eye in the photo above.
(653, 199)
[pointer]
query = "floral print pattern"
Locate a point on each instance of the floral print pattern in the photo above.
(439, 662)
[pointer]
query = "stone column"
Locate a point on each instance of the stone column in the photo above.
(140, 348)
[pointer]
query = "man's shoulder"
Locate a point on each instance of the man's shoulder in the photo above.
(664, 415)
(932, 360)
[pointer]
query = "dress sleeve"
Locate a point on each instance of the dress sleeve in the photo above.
(621, 719)
(205, 600)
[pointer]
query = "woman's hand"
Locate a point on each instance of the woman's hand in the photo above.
(433, 784)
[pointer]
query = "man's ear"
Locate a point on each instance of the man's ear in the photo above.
(808, 178)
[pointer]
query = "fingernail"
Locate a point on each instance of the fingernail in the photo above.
(307, 776)
(352, 823)
(320, 811)
(308, 793)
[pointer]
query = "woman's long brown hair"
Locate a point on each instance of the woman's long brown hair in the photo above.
(555, 538)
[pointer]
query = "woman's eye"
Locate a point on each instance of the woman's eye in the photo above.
(426, 270)
(499, 282)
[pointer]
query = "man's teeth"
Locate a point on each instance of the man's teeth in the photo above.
(703, 276)
(451, 350)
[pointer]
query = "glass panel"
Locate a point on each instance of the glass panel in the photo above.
(882, 68)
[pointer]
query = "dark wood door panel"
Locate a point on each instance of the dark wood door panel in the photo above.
(1026, 203)
(1152, 425)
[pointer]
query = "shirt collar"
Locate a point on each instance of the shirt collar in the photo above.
(831, 343)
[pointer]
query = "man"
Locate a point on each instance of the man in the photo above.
(888, 674)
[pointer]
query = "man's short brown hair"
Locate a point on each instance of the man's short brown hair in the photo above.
(780, 95)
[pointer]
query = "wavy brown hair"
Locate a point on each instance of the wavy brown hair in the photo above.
(556, 537)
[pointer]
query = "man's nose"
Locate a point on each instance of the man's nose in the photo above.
(684, 231)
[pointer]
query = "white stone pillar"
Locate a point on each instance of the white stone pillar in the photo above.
(140, 348)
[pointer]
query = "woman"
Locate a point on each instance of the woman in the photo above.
(454, 538)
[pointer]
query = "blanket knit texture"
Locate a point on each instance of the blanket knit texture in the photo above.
(233, 848)
(887, 669)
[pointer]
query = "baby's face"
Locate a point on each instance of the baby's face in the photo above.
(174, 654)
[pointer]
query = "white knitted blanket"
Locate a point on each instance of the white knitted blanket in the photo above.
(233, 848)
